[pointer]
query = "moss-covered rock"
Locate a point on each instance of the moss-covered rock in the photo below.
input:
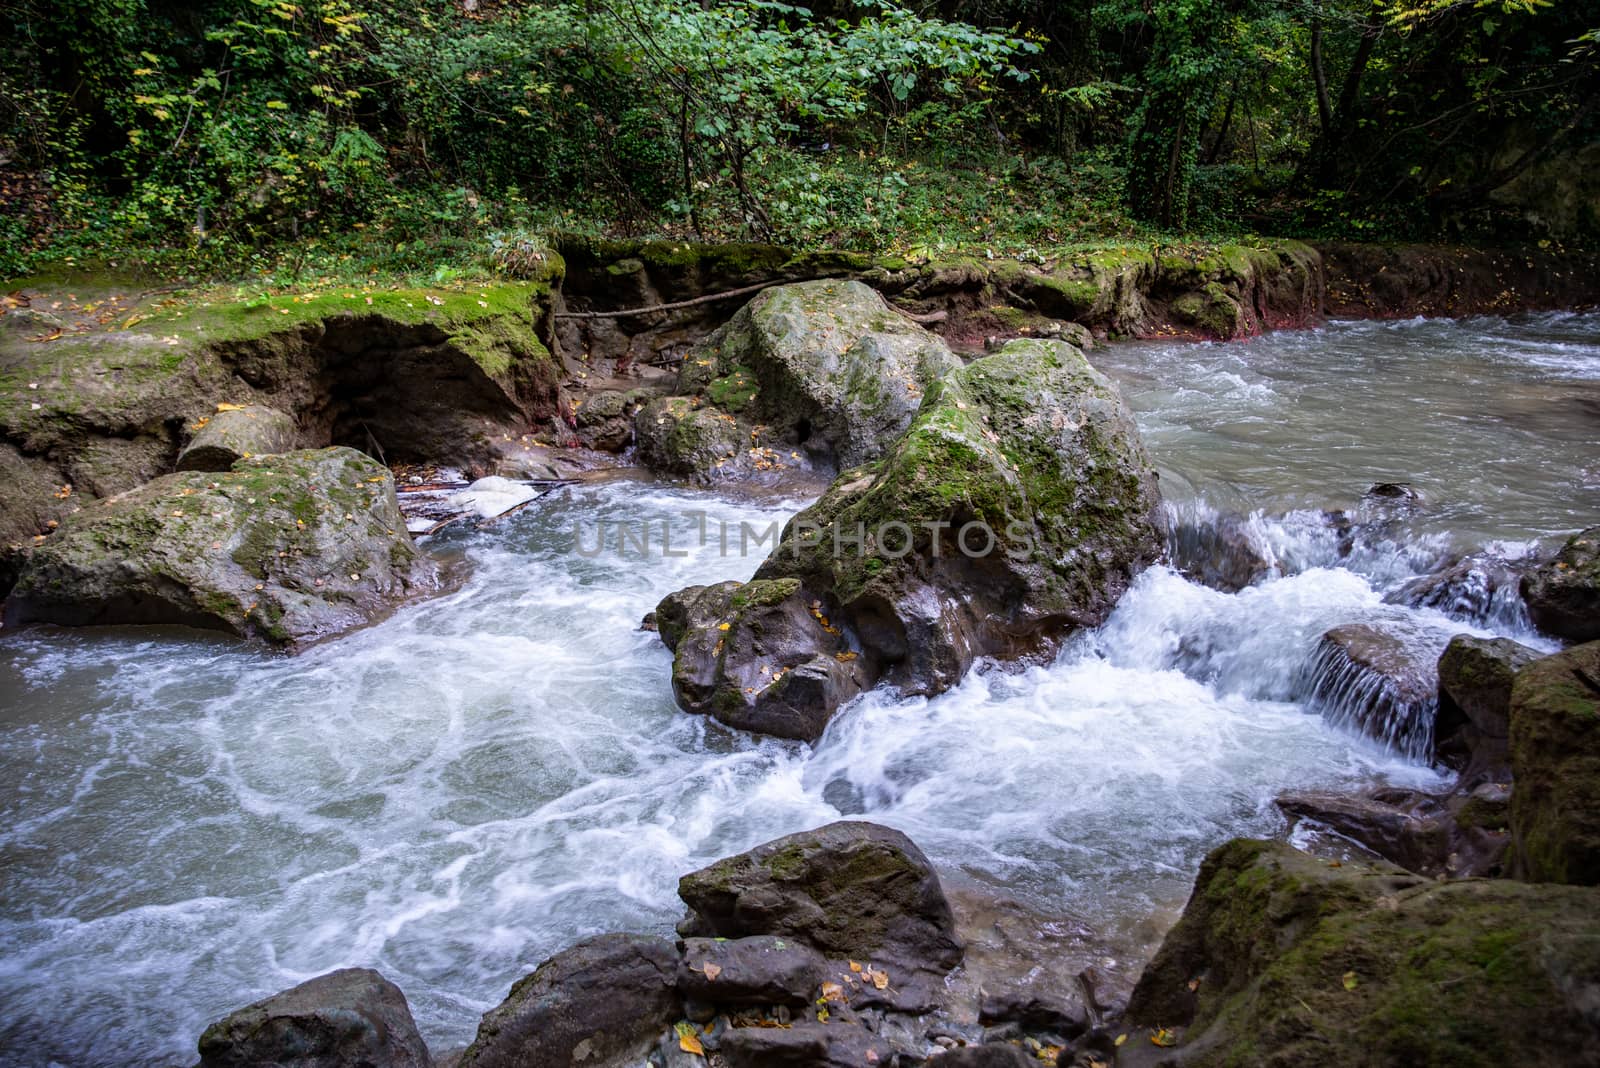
(1474, 718)
(1555, 760)
(1017, 506)
(1283, 959)
(684, 437)
(1563, 594)
(288, 549)
(826, 366)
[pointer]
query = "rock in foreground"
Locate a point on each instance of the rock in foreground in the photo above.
(1285, 959)
(1018, 506)
(602, 1003)
(1555, 759)
(353, 1018)
(847, 889)
(288, 548)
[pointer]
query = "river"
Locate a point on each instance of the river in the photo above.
(453, 794)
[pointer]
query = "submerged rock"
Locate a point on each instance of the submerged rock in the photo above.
(1563, 594)
(1225, 552)
(847, 890)
(1380, 680)
(235, 434)
(1456, 835)
(1555, 759)
(825, 369)
(1018, 506)
(601, 1003)
(353, 1018)
(288, 549)
(1281, 958)
(1473, 589)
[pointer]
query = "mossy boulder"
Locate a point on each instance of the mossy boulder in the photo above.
(826, 368)
(684, 437)
(1474, 717)
(1563, 595)
(237, 433)
(352, 1018)
(287, 548)
(850, 889)
(1283, 959)
(1555, 761)
(1019, 505)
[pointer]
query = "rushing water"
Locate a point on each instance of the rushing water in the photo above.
(455, 793)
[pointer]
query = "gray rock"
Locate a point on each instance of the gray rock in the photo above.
(848, 890)
(352, 1018)
(288, 548)
(1473, 589)
(602, 1003)
(1018, 506)
(804, 1045)
(1563, 594)
(238, 434)
(826, 364)
(759, 970)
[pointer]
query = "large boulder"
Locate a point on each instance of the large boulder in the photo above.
(602, 1003)
(288, 549)
(1563, 594)
(850, 890)
(353, 1018)
(1283, 959)
(1555, 760)
(825, 369)
(1474, 718)
(1018, 506)
(237, 433)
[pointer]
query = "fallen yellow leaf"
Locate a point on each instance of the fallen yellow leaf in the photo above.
(712, 970)
(688, 1041)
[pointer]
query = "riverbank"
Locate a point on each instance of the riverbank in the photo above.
(100, 376)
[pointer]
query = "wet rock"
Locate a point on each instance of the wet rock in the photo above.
(1474, 589)
(352, 1018)
(1380, 679)
(238, 433)
(288, 548)
(1474, 719)
(1563, 595)
(1226, 552)
(848, 890)
(1018, 506)
(1405, 834)
(1281, 958)
(748, 654)
(681, 436)
(804, 1045)
(1555, 761)
(989, 1055)
(602, 1003)
(760, 970)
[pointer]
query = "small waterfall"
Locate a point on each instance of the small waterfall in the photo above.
(1380, 681)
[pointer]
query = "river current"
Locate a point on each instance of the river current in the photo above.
(187, 824)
